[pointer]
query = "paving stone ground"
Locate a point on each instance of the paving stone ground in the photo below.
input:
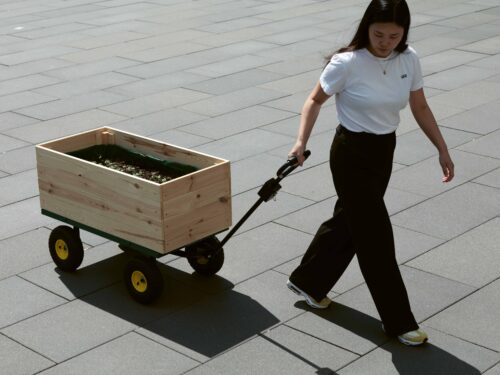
(229, 77)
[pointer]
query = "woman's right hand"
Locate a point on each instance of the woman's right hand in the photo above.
(298, 151)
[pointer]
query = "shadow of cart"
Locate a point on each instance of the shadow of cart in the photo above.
(199, 316)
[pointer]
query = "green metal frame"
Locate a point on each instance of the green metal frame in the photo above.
(129, 245)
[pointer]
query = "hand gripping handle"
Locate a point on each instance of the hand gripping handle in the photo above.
(290, 165)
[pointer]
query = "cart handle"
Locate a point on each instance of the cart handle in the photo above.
(290, 165)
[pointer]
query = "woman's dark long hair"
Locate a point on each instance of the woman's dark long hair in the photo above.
(381, 11)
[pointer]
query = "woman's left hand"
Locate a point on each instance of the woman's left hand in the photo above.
(447, 166)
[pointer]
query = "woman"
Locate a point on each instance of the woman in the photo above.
(373, 78)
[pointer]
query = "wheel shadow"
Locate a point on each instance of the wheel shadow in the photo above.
(427, 359)
(197, 315)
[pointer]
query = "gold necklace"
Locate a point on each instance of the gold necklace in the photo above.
(384, 67)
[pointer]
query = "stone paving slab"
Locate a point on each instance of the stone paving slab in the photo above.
(300, 183)
(235, 81)
(180, 138)
(257, 356)
(154, 102)
(429, 294)
(267, 289)
(11, 120)
(24, 299)
(27, 217)
(226, 103)
(444, 354)
(474, 318)
(30, 82)
(103, 81)
(424, 178)
(17, 359)
(20, 100)
(32, 67)
(102, 266)
(236, 122)
(487, 146)
(440, 218)
(18, 160)
(491, 179)
(494, 370)
(480, 120)
(230, 78)
(64, 126)
(247, 255)
(79, 329)
(158, 122)
(120, 356)
(26, 187)
(268, 211)
(414, 147)
(246, 144)
(468, 96)
(253, 172)
(212, 326)
(23, 252)
(68, 106)
(73, 72)
(323, 124)
(471, 258)
(9, 143)
(457, 77)
(341, 326)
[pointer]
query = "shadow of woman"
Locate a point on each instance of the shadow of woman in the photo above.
(427, 359)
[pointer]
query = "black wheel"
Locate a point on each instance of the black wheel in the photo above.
(66, 248)
(206, 256)
(143, 280)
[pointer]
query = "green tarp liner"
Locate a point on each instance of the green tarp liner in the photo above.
(134, 163)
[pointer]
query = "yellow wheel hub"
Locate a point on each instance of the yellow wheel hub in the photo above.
(139, 281)
(62, 249)
(202, 260)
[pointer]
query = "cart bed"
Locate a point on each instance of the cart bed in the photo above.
(160, 217)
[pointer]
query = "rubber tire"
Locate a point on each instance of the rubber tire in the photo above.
(153, 278)
(204, 256)
(73, 246)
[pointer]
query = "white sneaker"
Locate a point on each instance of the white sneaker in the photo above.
(323, 304)
(413, 338)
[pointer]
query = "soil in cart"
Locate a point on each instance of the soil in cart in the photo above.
(134, 163)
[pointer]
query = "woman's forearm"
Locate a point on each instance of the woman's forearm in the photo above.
(308, 118)
(425, 119)
(428, 124)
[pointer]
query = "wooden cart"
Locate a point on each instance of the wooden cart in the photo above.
(147, 218)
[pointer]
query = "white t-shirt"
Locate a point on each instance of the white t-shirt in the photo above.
(368, 100)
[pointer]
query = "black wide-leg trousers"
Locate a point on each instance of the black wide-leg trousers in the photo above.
(361, 165)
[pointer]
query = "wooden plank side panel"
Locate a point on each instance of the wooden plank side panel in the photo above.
(196, 207)
(164, 151)
(196, 181)
(186, 229)
(108, 222)
(107, 200)
(108, 179)
(73, 143)
(194, 200)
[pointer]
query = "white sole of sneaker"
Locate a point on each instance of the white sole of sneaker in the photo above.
(307, 297)
(411, 343)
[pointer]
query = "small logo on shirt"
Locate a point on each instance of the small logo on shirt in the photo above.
(404, 76)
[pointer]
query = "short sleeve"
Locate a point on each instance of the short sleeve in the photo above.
(333, 77)
(418, 80)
